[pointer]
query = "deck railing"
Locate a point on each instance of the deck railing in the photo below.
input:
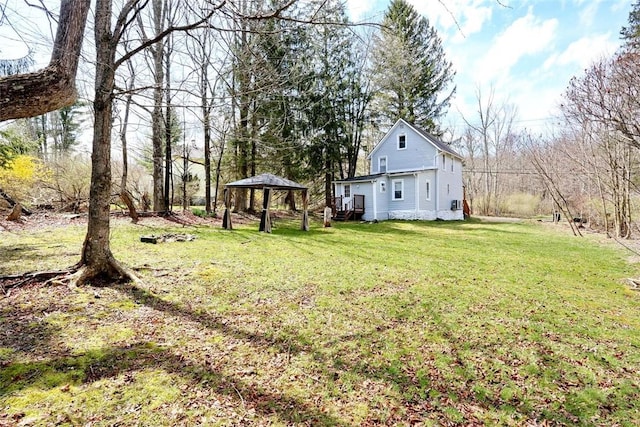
(355, 204)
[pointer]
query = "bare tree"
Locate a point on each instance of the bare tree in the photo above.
(602, 107)
(543, 156)
(491, 135)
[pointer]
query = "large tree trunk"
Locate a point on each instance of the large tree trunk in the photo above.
(97, 259)
(157, 127)
(207, 148)
(53, 87)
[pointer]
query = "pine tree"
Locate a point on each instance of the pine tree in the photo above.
(631, 34)
(411, 71)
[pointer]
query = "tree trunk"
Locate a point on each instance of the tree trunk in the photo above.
(125, 196)
(328, 178)
(207, 153)
(218, 170)
(168, 127)
(97, 259)
(156, 115)
(53, 87)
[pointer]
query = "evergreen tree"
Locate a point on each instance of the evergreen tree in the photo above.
(411, 72)
(631, 34)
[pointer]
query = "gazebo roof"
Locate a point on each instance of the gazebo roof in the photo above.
(267, 180)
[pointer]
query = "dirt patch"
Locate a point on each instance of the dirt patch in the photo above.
(47, 219)
(497, 218)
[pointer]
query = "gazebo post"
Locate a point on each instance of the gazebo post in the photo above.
(305, 212)
(226, 219)
(265, 218)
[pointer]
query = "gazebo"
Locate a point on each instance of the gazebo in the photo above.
(267, 183)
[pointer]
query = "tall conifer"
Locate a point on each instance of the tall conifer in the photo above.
(411, 71)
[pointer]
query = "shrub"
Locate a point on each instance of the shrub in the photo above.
(20, 176)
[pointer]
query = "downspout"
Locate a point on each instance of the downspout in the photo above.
(417, 184)
(436, 185)
(373, 197)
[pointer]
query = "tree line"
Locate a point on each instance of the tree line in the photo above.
(585, 169)
(284, 86)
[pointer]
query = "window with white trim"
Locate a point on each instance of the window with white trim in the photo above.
(402, 142)
(427, 190)
(444, 162)
(448, 189)
(451, 165)
(398, 189)
(347, 190)
(382, 164)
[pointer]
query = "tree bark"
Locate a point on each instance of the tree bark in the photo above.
(53, 87)
(156, 116)
(97, 259)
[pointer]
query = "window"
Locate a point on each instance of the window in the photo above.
(448, 189)
(347, 190)
(398, 189)
(444, 162)
(382, 165)
(402, 142)
(451, 165)
(383, 187)
(428, 190)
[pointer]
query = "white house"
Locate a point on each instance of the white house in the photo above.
(413, 175)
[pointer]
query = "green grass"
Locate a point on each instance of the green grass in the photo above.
(359, 324)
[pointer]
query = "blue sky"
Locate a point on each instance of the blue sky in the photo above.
(527, 50)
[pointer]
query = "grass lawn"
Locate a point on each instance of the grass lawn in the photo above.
(396, 323)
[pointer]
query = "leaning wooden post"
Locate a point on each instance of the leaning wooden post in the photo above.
(265, 219)
(328, 213)
(226, 218)
(305, 211)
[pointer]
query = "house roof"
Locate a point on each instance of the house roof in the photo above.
(361, 178)
(267, 180)
(426, 135)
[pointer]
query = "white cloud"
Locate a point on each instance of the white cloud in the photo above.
(588, 14)
(358, 9)
(525, 36)
(468, 15)
(583, 52)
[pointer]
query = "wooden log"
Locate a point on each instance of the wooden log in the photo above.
(16, 212)
(13, 203)
(149, 239)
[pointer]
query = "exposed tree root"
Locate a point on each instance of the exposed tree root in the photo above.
(101, 275)
(16, 280)
(77, 275)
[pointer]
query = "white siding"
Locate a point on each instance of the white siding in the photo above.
(418, 154)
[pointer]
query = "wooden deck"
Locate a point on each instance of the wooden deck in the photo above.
(351, 210)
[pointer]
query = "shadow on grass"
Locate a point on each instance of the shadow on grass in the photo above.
(24, 330)
(14, 253)
(282, 344)
(110, 362)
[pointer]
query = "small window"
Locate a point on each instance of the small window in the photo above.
(382, 165)
(444, 162)
(383, 187)
(398, 189)
(402, 142)
(347, 190)
(448, 189)
(451, 165)
(428, 190)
